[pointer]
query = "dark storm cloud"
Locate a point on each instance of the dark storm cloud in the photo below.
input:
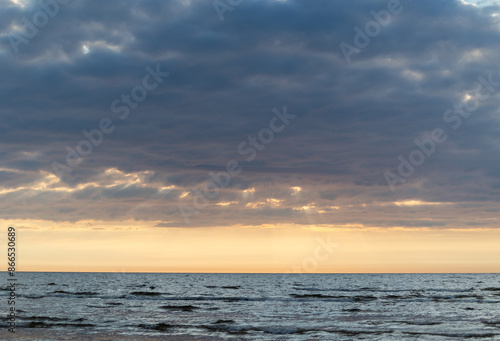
(352, 121)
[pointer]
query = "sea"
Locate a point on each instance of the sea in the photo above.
(188, 306)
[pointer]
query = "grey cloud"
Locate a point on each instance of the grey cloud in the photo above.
(353, 120)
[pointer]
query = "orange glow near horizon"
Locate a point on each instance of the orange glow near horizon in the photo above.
(104, 247)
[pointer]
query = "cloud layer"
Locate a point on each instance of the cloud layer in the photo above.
(326, 166)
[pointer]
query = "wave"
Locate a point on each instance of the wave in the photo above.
(317, 296)
(146, 293)
(352, 310)
(492, 323)
(49, 322)
(33, 297)
(223, 287)
(415, 292)
(159, 326)
(82, 293)
(114, 303)
(456, 335)
(419, 323)
(41, 324)
(45, 318)
(361, 332)
(180, 307)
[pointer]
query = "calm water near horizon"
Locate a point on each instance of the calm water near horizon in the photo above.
(260, 306)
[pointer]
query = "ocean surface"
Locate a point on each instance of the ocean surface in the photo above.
(258, 306)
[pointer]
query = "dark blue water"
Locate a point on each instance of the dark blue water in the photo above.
(261, 306)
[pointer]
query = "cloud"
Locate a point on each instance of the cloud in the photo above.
(353, 120)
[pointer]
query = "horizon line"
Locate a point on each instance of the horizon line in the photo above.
(265, 273)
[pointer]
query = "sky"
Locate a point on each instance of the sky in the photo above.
(251, 136)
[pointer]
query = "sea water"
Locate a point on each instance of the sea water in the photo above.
(258, 306)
